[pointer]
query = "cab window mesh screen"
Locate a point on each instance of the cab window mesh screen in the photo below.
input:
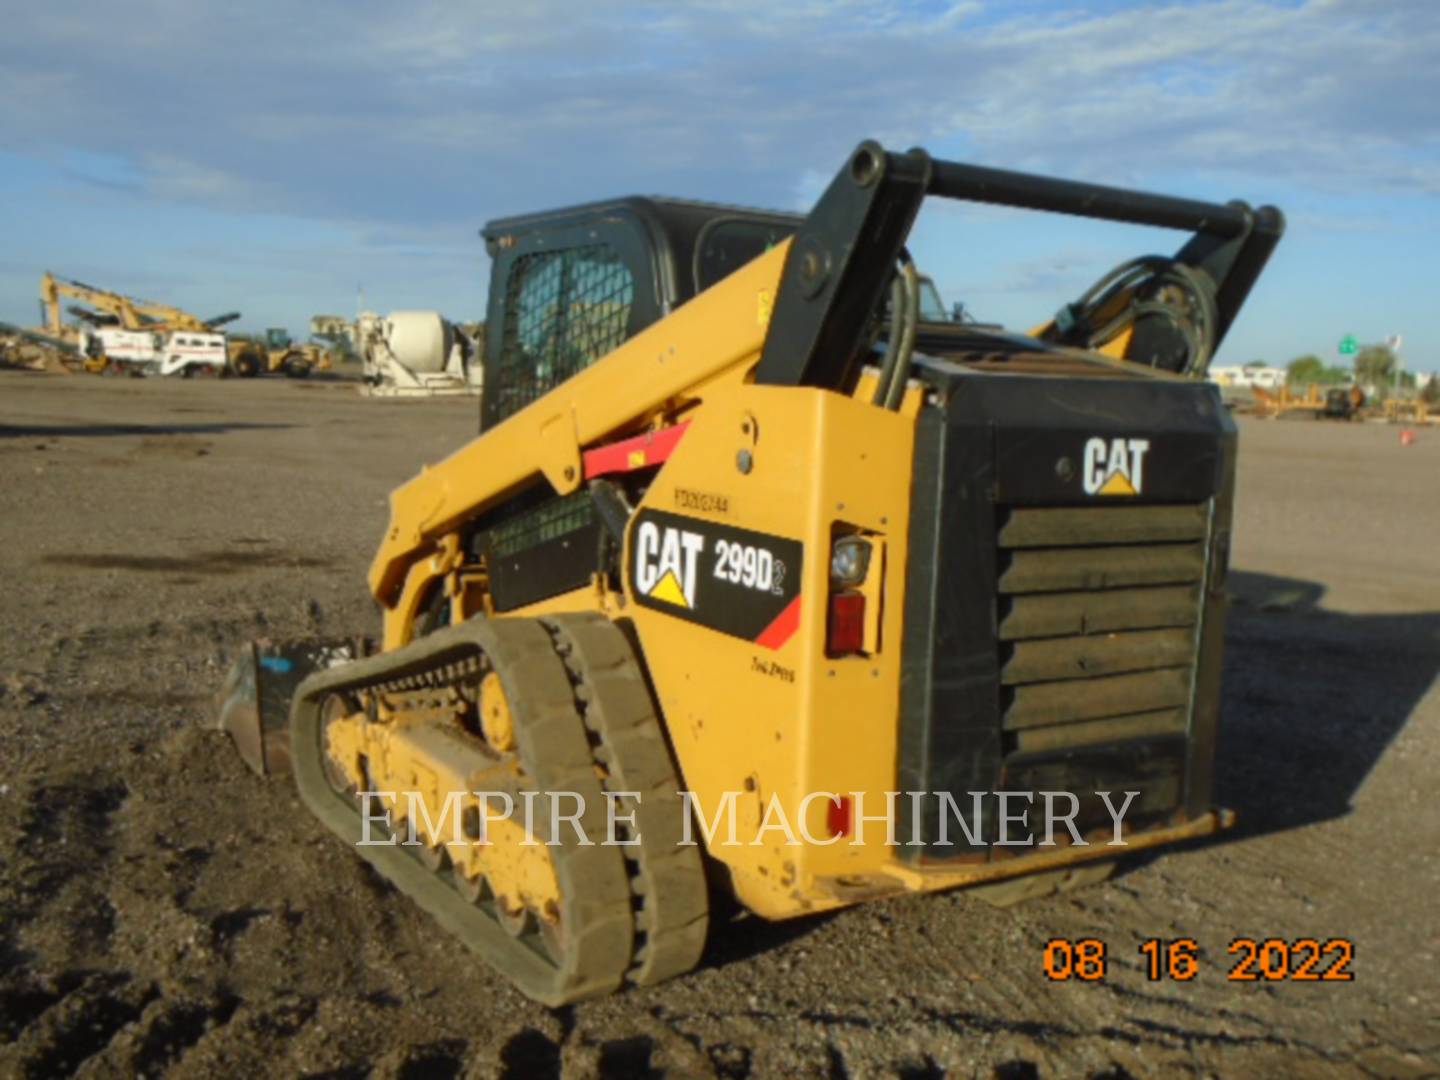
(563, 311)
(550, 520)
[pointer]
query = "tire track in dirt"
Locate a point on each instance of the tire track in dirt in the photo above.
(172, 914)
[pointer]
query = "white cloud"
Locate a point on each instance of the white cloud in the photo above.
(171, 178)
(417, 122)
(738, 93)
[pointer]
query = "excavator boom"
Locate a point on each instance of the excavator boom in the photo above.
(127, 312)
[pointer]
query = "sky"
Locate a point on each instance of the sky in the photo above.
(286, 159)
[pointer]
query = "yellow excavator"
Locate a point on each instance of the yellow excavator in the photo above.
(117, 309)
(756, 582)
(129, 327)
(242, 354)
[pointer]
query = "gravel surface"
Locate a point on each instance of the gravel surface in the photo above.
(162, 911)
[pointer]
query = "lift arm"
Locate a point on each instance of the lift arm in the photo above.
(844, 255)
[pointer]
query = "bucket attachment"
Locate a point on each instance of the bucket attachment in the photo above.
(254, 701)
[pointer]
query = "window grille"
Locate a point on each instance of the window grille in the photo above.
(563, 311)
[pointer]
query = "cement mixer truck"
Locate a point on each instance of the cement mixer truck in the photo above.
(409, 353)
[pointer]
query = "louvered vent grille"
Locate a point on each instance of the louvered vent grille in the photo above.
(1098, 611)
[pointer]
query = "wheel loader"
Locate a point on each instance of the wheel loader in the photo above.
(755, 583)
(274, 352)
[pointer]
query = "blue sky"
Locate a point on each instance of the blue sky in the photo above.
(273, 157)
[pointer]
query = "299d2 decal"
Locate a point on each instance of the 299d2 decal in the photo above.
(737, 581)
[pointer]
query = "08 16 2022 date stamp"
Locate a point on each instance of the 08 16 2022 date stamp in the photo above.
(1249, 959)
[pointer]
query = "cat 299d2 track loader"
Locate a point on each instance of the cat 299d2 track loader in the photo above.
(786, 590)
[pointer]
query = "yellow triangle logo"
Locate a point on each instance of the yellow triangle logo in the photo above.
(668, 589)
(1118, 484)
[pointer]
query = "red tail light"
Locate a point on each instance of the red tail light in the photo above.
(845, 627)
(837, 816)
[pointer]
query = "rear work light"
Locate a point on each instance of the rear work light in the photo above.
(849, 561)
(847, 621)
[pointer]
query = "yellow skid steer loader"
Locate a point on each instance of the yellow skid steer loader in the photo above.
(756, 581)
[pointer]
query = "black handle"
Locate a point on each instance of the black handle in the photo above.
(953, 180)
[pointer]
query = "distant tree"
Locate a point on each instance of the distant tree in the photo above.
(1375, 366)
(1252, 365)
(1430, 392)
(1305, 369)
(1309, 368)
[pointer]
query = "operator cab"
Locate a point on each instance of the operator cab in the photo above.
(570, 285)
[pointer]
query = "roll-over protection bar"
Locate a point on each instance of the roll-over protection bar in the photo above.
(844, 253)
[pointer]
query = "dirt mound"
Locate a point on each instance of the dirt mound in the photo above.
(23, 353)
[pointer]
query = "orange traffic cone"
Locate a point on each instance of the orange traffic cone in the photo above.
(1407, 437)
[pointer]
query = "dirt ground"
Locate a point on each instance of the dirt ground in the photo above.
(162, 911)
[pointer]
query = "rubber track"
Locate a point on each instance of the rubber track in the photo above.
(672, 917)
(596, 898)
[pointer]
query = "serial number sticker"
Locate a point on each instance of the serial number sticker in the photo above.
(1273, 959)
(707, 502)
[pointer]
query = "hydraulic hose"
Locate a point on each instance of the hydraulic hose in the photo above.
(1115, 303)
(900, 345)
(895, 391)
(892, 340)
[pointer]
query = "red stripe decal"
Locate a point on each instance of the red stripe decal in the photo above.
(639, 452)
(783, 628)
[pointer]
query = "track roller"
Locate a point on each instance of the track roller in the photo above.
(582, 945)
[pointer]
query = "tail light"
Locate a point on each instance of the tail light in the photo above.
(845, 625)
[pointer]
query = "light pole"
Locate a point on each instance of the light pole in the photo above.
(1393, 344)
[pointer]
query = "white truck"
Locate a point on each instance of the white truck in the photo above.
(146, 352)
(184, 352)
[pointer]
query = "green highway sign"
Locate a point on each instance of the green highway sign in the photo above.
(1348, 345)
